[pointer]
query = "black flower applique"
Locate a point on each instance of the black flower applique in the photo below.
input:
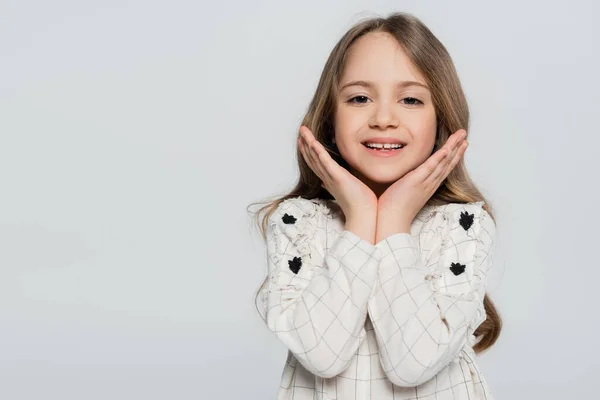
(288, 219)
(295, 264)
(457, 268)
(466, 220)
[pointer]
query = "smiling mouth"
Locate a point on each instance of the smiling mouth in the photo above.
(383, 149)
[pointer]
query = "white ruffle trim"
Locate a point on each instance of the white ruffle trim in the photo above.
(435, 276)
(299, 234)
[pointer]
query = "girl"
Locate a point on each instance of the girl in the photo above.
(378, 259)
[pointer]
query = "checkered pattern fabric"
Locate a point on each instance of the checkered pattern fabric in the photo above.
(394, 320)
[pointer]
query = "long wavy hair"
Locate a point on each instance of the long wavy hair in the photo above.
(433, 61)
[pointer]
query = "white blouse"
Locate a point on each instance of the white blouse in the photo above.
(394, 320)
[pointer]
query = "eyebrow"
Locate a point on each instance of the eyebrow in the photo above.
(369, 84)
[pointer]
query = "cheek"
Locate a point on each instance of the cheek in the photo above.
(425, 129)
(347, 124)
(347, 120)
(424, 149)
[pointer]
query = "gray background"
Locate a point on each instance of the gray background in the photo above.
(133, 134)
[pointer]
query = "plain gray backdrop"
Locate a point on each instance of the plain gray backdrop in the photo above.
(133, 134)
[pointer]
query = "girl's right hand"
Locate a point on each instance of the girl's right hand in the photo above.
(353, 196)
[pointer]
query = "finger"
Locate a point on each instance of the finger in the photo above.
(459, 154)
(307, 157)
(324, 160)
(439, 168)
(455, 140)
(427, 171)
(314, 148)
(459, 140)
(304, 151)
(451, 146)
(452, 163)
(424, 171)
(313, 160)
(443, 166)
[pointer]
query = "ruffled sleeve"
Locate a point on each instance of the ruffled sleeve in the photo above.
(315, 301)
(428, 299)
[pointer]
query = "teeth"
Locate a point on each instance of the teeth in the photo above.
(384, 146)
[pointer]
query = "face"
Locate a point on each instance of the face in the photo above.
(379, 106)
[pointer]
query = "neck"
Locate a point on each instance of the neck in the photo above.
(377, 187)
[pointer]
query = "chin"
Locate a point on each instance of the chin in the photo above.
(384, 177)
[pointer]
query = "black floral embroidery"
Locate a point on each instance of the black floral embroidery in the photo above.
(295, 264)
(466, 220)
(288, 219)
(457, 268)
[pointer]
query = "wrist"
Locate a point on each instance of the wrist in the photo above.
(388, 225)
(363, 226)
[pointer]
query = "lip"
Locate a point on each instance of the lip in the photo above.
(383, 140)
(382, 153)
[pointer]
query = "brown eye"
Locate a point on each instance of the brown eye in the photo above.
(411, 99)
(357, 97)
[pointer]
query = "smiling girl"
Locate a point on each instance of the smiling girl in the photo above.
(378, 259)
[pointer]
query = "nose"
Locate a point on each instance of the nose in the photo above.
(384, 116)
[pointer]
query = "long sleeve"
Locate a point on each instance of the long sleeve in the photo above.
(315, 300)
(428, 300)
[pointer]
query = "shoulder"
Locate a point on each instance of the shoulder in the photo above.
(455, 210)
(298, 215)
(298, 221)
(294, 208)
(451, 209)
(467, 216)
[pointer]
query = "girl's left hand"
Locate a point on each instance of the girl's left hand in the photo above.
(407, 196)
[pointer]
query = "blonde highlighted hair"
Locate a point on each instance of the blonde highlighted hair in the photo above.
(431, 58)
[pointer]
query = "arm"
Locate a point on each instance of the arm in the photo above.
(428, 302)
(316, 302)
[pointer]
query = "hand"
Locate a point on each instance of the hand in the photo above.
(405, 197)
(353, 196)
